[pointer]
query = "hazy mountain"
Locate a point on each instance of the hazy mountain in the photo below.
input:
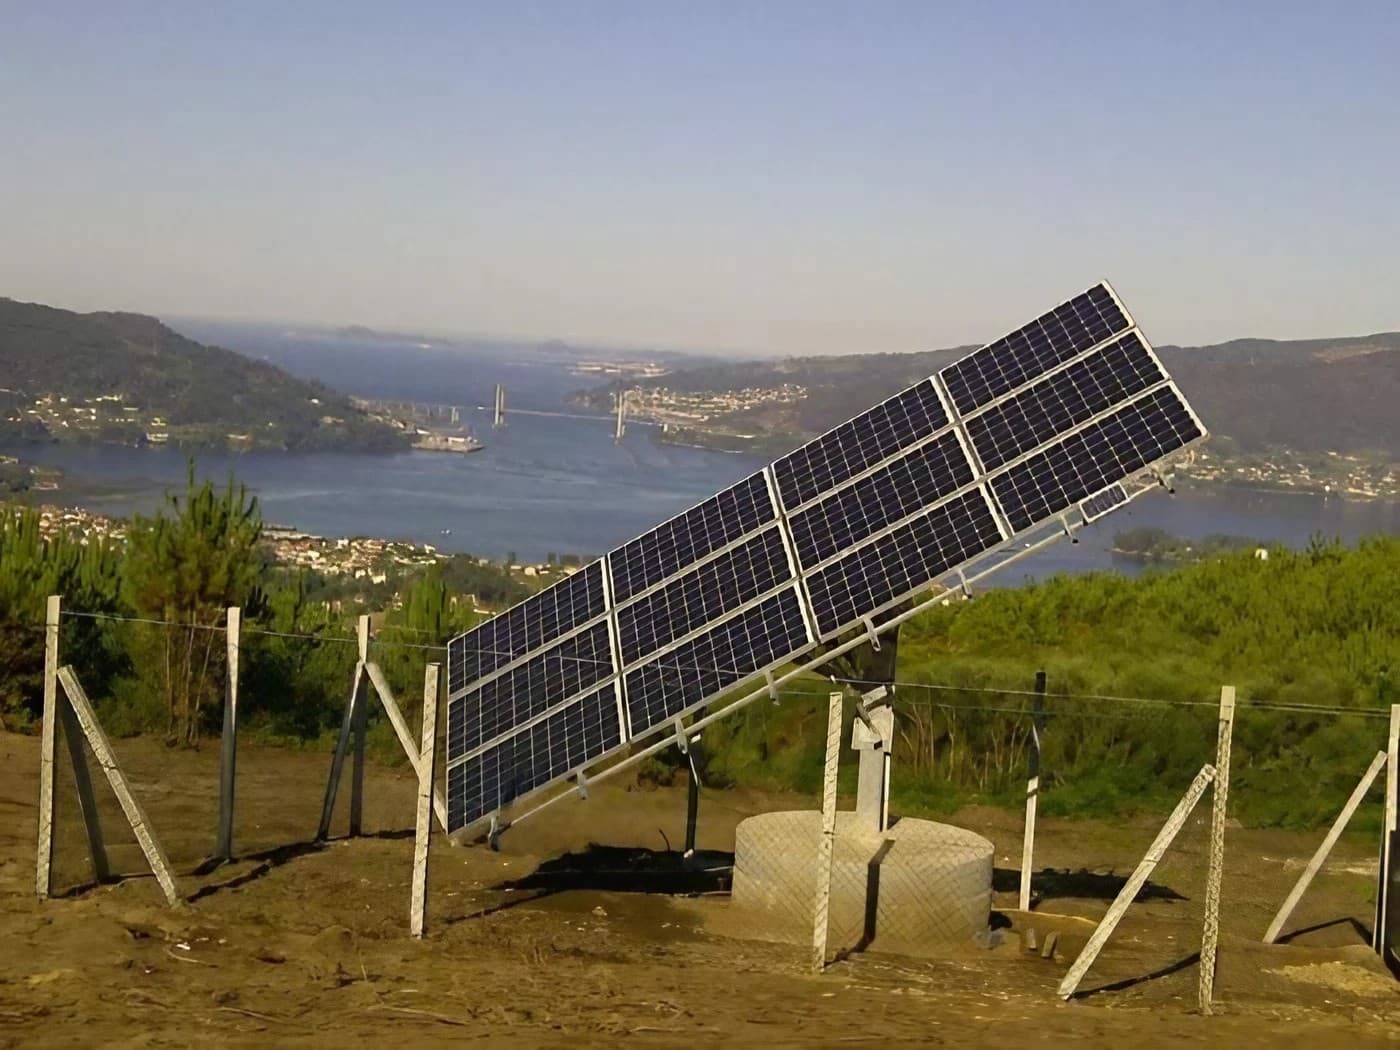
(143, 371)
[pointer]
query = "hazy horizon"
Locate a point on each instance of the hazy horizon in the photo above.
(778, 179)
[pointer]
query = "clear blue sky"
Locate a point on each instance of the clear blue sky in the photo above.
(788, 177)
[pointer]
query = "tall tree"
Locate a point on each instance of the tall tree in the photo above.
(198, 555)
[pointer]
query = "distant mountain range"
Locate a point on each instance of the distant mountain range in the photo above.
(127, 378)
(1312, 395)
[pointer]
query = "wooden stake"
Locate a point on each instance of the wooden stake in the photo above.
(228, 763)
(826, 843)
(1032, 792)
(423, 825)
(1220, 798)
(43, 868)
(360, 721)
(107, 760)
(1134, 885)
(400, 724)
(1324, 850)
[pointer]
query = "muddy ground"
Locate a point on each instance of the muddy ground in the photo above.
(299, 944)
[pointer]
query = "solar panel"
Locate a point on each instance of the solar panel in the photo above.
(525, 627)
(544, 751)
(702, 595)
(904, 560)
(1089, 460)
(680, 542)
(859, 443)
(1051, 339)
(719, 659)
(1065, 414)
(893, 492)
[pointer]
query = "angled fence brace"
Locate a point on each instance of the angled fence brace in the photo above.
(1135, 882)
(401, 730)
(423, 818)
(342, 744)
(107, 760)
(1220, 799)
(1323, 851)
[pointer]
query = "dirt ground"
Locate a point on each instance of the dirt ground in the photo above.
(303, 945)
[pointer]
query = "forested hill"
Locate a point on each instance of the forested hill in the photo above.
(1311, 395)
(127, 376)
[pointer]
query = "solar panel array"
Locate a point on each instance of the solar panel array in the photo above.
(1055, 416)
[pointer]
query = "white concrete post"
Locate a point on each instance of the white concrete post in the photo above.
(43, 870)
(1032, 792)
(423, 825)
(1220, 792)
(827, 842)
(229, 744)
(1135, 882)
(1392, 772)
(401, 730)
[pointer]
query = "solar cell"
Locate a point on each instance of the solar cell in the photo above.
(902, 561)
(890, 494)
(1051, 339)
(688, 537)
(1062, 401)
(497, 705)
(525, 627)
(1109, 450)
(550, 748)
(748, 642)
(1099, 504)
(702, 595)
(859, 444)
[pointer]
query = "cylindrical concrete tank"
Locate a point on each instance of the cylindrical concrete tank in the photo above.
(918, 888)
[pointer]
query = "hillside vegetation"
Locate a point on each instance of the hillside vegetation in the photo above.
(1317, 631)
(125, 376)
(1311, 395)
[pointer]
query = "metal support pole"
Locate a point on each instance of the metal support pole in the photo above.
(692, 798)
(827, 842)
(1220, 800)
(1320, 857)
(1388, 825)
(1135, 882)
(228, 759)
(1032, 792)
(43, 868)
(423, 824)
(359, 724)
